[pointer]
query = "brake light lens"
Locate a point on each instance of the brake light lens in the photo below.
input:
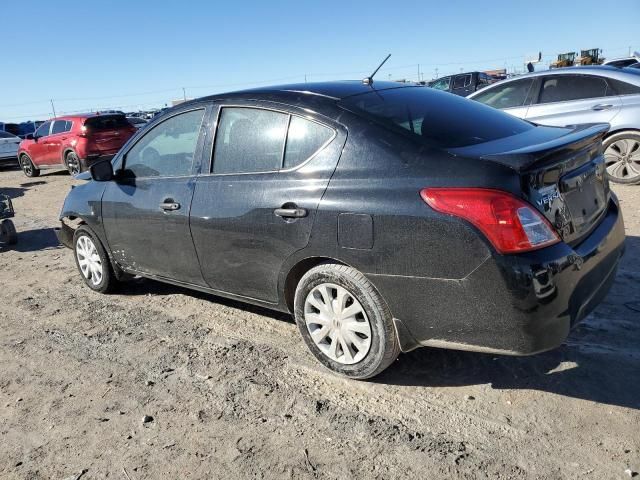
(83, 131)
(510, 224)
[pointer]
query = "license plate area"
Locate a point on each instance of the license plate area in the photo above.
(585, 193)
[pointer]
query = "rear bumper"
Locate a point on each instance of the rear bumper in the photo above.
(511, 304)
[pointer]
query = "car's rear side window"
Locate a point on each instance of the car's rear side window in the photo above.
(61, 126)
(435, 117)
(304, 139)
(253, 140)
(623, 88)
(106, 122)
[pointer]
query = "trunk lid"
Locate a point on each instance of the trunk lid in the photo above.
(562, 173)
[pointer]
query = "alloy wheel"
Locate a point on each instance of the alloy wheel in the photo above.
(73, 164)
(89, 260)
(622, 159)
(337, 323)
(26, 165)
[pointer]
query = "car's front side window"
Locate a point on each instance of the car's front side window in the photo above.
(565, 88)
(442, 84)
(43, 130)
(167, 150)
(507, 95)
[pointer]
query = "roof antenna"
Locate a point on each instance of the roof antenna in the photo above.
(369, 80)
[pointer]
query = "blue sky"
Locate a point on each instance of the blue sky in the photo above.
(138, 54)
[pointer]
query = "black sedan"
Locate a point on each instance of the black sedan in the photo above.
(384, 217)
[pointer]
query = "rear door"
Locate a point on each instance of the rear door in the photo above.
(256, 207)
(145, 210)
(572, 99)
(55, 141)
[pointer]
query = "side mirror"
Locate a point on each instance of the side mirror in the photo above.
(29, 136)
(102, 171)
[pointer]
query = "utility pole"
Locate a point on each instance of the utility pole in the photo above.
(53, 108)
(184, 94)
(419, 73)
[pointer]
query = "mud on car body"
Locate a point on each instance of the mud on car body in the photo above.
(383, 217)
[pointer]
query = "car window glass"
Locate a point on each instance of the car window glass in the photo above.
(442, 84)
(563, 88)
(623, 88)
(249, 140)
(43, 130)
(506, 95)
(59, 126)
(6, 135)
(167, 150)
(462, 81)
(304, 139)
(434, 117)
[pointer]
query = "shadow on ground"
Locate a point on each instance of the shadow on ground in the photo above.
(33, 240)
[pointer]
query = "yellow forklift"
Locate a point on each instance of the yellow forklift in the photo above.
(564, 60)
(590, 57)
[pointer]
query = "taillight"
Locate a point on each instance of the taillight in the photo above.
(510, 224)
(83, 131)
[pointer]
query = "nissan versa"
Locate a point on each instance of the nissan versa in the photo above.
(384, 217)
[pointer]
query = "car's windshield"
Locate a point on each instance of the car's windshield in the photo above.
(439, 118)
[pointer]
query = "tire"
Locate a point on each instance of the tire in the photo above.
(622, 157)
(369, 350)
(73, 163)
(28, 168)
(8, 233)
(92, 261)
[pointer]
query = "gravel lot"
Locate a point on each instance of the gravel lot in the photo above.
(230, 391)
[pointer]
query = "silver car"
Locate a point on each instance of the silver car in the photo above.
(568, 96)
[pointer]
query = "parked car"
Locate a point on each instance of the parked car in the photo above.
(137, 121)
(73, 142)
(622, 62)
(9, 149)
(366, 237)
(463, 84)
(580, 95)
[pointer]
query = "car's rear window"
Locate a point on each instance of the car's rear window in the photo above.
(107, 122)
(437, 118)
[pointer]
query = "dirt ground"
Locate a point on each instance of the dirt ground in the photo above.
(233, 393)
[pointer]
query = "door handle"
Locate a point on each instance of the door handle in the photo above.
(169, 206)
(602, 106)
(290, 212)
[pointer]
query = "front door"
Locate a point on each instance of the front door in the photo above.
(257, 206)
(146, 209)
(38, 150)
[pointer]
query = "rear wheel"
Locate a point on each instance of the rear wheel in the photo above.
(92, 261)
(72, 163)
(8, 233)
(28, 168)
(345, 322)
(622, 157)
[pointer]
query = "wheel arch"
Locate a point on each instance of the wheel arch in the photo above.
(621, 130)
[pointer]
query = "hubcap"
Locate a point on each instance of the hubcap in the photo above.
(622, 159)
(89, 260)
(337, 323)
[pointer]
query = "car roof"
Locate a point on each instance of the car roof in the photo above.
(82, 116)
(336, 90)
(616, 73)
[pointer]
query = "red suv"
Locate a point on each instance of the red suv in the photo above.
(73, 142)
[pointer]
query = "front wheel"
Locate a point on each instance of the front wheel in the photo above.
(345, 322)
(92, 261)
(28, 168)
(622, 157)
